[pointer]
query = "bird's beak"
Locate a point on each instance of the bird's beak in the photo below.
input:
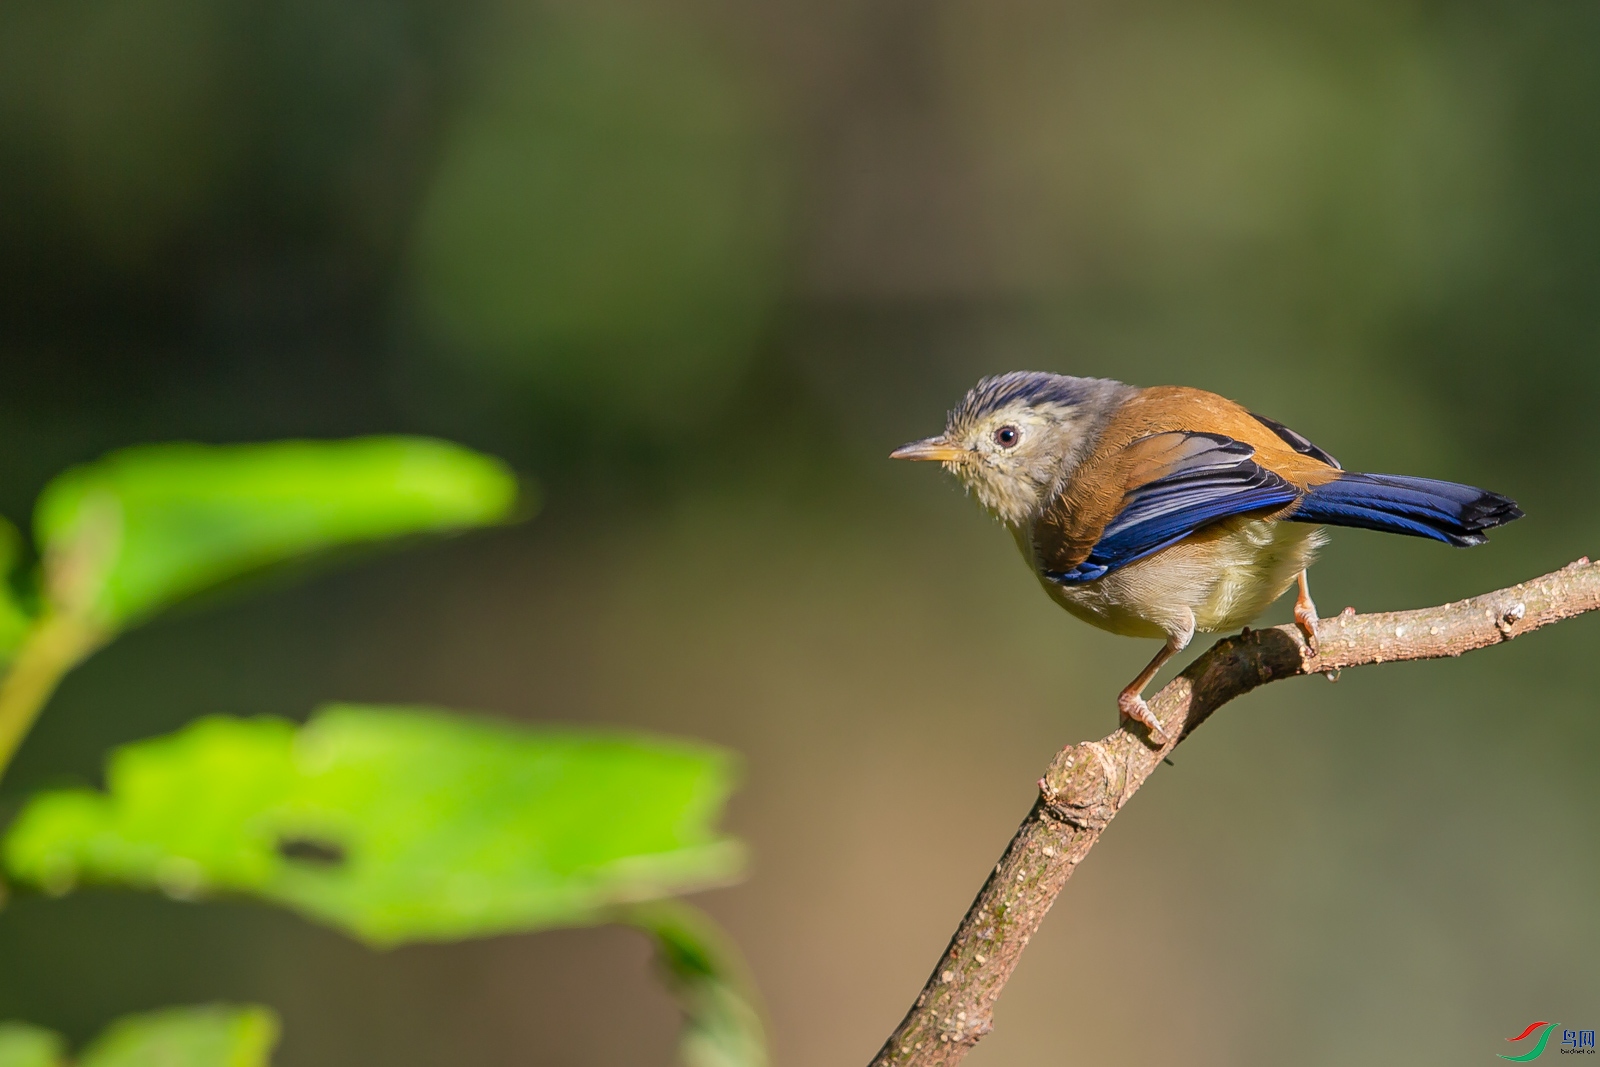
(932, 449)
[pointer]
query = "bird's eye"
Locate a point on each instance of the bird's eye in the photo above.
(1007, 437)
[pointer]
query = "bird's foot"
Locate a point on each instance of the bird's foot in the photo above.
(1305, 614)
(1133, 706)
(1305, 617)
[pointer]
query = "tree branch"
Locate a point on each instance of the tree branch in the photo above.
(1088, 783)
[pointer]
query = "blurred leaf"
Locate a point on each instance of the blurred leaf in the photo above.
(149, 525)
(22, 1045)
(722, 1027)
(394, 824)
(211, 1036)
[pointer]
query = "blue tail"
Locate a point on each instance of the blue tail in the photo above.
(1445, 511)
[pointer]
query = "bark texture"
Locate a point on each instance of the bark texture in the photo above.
(1088, 783)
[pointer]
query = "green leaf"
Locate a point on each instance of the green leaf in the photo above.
(127, 534)
(211, 1036)
(394, 824)
(22, 1045)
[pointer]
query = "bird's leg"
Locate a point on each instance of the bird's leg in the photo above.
(1131, 703)
(1305, 613)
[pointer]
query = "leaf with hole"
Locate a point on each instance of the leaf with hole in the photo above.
(395, 824)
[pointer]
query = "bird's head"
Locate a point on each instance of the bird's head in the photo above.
(1016, 437)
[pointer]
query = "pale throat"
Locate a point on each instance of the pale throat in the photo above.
(1013, 500)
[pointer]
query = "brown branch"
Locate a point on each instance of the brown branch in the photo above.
(1088, 783)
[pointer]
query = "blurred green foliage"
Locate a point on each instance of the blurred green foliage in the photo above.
(22, 1045)
(187, 1037)
(430, 826)
(393, 824)
(122, 537)
(209, 1036)
(160, 522)
(603, 221)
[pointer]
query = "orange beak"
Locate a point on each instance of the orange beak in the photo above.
(930, 449)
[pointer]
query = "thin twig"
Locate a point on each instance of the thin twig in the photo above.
(72, 625)
(52, 648)
(1088, 783)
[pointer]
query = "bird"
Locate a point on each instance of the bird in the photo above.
(1159, 512)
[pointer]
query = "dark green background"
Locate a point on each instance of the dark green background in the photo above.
(697, 267)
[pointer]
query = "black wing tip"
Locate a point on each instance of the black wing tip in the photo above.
(1297, 441)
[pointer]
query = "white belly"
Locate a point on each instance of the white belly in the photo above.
(1221, 578)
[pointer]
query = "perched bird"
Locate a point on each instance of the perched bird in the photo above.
(1158, 512)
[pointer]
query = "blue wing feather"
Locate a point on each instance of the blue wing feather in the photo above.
(1216, 479)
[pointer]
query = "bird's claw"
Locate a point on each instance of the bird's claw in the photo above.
(1305, 614)
(1307, 623)
(1132, 706)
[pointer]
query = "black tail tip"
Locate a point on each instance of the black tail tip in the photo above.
(1485, 513)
